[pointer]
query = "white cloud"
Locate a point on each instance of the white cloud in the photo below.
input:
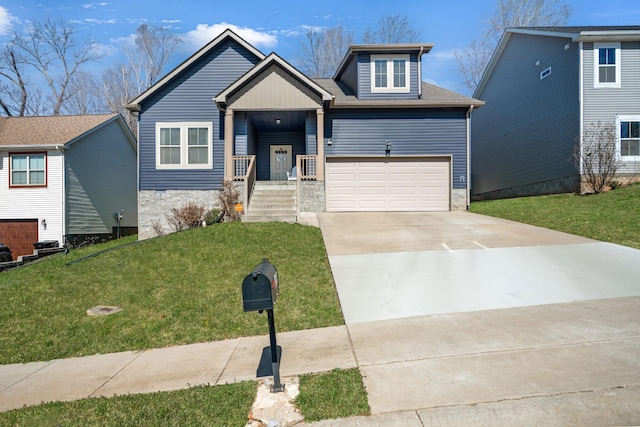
(5, 21)
(100, 21)
(93, 5)
(204, 33)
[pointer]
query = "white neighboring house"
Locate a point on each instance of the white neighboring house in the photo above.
(66, 178)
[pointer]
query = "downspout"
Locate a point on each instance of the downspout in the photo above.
(581, 108)
(469, 156)
(420, 71)
(63, 197)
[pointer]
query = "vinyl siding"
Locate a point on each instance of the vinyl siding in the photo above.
(364, 80)
(311, 127)
(603, 104)
(350, 76)
(101, 180)
(526, 131)
(189, 97)
(35, 203)
(365, 132)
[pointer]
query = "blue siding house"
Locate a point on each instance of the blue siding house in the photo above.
(372, 138)
(544, 87)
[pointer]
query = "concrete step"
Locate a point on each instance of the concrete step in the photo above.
(269, 218)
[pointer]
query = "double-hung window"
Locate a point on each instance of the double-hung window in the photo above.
(390, 73)
(607, 64)
(28, 169)
(185, 145)
(629, 137)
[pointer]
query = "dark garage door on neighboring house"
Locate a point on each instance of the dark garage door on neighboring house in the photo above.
(394, 184)
(19, 235)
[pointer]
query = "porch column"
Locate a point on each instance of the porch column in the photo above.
(320, 144)
(228, 145)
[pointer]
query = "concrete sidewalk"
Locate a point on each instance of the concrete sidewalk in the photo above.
(559, 364)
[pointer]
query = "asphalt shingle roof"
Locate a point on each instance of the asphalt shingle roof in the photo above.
(432, 96)
(50, 130)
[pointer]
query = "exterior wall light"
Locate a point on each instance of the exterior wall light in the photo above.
(387, 150)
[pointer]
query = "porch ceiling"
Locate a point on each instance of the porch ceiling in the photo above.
(265, 121)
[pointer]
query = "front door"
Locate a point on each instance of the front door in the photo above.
(280, 162)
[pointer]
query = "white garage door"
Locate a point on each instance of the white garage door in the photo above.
(391, 185)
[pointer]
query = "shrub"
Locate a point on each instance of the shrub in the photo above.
(212, 216)
(229, 198)
(190, 215)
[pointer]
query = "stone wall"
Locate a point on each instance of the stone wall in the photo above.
(458, 200)
(311, 197)
(154, 206)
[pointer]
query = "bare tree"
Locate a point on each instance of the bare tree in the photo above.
(596, 156)
(473, 60)
(50, 48)
(323, 51)
(85, 95)
(392, 29)
(153, 49)
(145, 62)
(13, 100)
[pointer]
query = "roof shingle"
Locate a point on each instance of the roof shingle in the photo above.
(47, 131)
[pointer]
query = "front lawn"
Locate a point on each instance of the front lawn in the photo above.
(613, 216)
(177, 289)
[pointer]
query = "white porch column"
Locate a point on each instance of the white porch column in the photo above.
(320, 144)
(228, 145)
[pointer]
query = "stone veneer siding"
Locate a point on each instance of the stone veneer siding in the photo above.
(154, 206)
(459, 200)
(311, 198)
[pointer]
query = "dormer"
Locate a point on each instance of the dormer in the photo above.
(383, 71)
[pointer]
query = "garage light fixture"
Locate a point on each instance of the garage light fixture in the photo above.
(387, 150)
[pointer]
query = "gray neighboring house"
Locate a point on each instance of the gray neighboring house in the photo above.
(372, 138)
(543, 87)
(64, 178)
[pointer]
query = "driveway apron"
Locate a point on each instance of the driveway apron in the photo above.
(397, 265)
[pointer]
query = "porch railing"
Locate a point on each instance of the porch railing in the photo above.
(244, 169)
(306, 165)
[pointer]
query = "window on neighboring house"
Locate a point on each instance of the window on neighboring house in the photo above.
(629, 137)
(390, 73)
(607, 64)
(184, 145)
(28, 170)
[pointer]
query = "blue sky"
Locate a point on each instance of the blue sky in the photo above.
(279, 26)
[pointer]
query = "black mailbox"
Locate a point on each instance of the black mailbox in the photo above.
(260, 288)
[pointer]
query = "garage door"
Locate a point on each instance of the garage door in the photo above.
(19, 235)
(391, 185)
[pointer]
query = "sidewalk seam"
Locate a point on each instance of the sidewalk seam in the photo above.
(49, 363)
(505, 351)
(226, 365)
(133, 359)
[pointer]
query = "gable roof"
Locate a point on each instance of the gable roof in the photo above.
(134, 105)
(432, 96)
(53, 131)
(222, 97)
(574, 34)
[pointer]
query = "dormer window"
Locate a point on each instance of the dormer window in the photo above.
(390, 73)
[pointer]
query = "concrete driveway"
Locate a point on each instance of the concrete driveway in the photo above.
(396, 265)
(462, 319)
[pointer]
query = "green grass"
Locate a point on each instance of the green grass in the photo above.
(336, 394)
(224, 405)
(613, 216)
(177, 289)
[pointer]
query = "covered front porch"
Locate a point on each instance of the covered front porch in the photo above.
(274, 128)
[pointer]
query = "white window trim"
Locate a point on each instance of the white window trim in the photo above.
(390, 88)
(596, 65)
(618, 137)
(184, 149)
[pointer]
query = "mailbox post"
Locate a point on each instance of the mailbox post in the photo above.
(260, 290)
